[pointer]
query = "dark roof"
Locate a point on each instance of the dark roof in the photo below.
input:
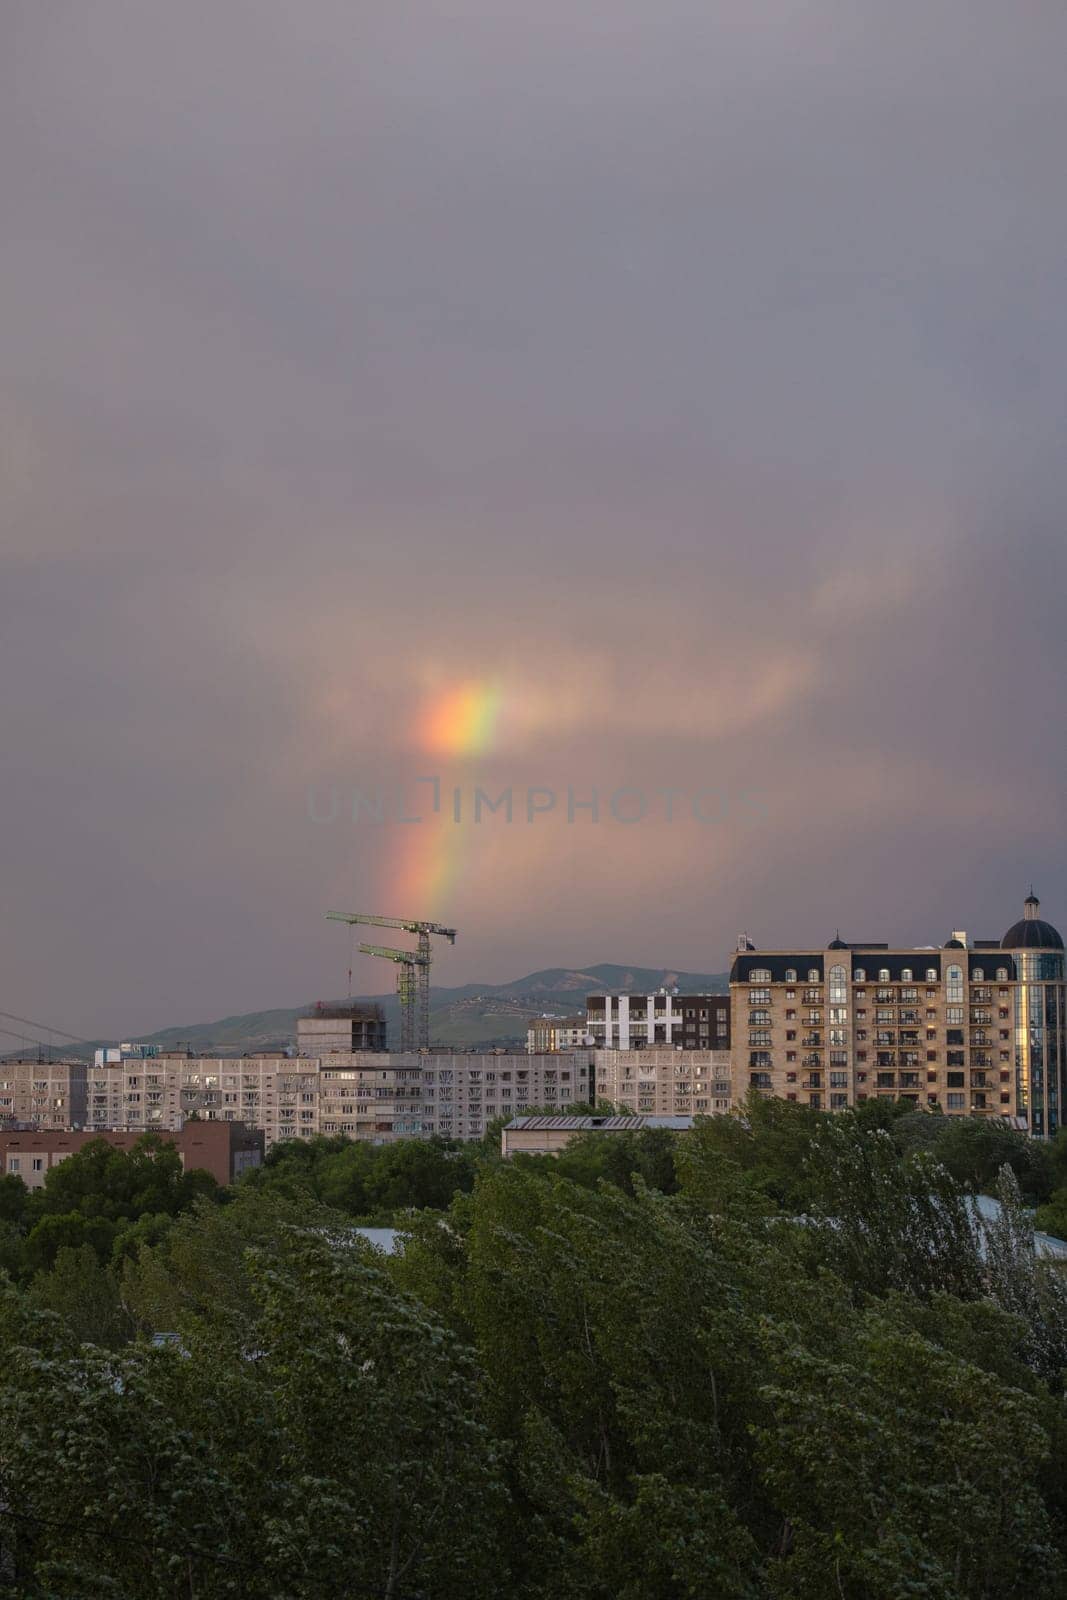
(871, 959)
(837, 943)
(990, 969)
(954, 944)
(1031, 934)
(802, 963)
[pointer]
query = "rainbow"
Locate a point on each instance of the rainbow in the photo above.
(428, 858)
(459, 721)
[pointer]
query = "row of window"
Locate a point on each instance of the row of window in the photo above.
(838, 976)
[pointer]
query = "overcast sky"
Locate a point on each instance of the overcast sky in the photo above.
(688, 374)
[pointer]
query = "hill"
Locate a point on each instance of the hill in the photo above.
(470, 1015)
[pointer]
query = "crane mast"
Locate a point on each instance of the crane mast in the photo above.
(413, 969)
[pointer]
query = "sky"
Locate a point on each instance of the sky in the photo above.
(594, 395)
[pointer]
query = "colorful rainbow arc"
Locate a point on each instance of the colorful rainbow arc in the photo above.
(428, 858)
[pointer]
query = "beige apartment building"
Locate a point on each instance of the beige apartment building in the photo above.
(971, 1028)
(663, 1082)
(43, 1094)
(360, 1094)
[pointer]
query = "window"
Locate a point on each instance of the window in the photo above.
(931, 974)
(954, 986)
(905, 975)
(955, 1102)
(978, 975)
(860, 975)
(790, 974)
(883, 974)
(1002, 974)
(38, 1164)
(759, 975)
(838, 986)
(12, 1163)
(813, 975)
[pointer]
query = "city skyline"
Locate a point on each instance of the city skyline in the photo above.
(596, 398)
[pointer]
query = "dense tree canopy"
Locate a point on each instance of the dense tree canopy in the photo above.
(779, 1358)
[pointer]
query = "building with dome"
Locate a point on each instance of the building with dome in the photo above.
(968, 1027)
(1040, 1024)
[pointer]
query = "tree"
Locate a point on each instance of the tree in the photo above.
(339, 1452)
(901, 1469)
(14, 1197)
(85, 1294)
(108, 1185)
(69, 1230)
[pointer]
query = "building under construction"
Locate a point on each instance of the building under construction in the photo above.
(412, 969)
(329, 1030)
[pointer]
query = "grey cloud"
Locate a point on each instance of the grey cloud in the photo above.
(632, 342)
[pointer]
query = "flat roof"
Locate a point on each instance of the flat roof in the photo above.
(601, 1124)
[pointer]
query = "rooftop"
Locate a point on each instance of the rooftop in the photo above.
(599, 1124)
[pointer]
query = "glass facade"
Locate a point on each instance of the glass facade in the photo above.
(1040, 1067)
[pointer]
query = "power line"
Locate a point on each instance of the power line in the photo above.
(44, 1027)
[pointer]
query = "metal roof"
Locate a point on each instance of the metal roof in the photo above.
(598, 1124)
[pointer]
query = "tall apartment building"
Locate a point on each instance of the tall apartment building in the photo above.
(640, 1021)
(361, 1094)
(971, 1028)
(43, 1094)
(547, 1034)
(664, 1082)
(340, 1029)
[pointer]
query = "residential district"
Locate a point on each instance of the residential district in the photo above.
(971, 1027)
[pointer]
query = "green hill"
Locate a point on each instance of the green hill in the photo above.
(471, 1015)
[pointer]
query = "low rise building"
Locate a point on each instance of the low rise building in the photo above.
(645, 1021)
(43, 1094)
(226, 1150)
(549, 1135)
(664, 1082)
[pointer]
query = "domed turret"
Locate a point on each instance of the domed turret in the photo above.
(1031, 933)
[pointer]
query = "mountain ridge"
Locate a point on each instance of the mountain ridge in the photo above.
(464, 1015)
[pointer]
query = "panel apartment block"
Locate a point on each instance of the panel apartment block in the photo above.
(43, 1094)
(663, 1082)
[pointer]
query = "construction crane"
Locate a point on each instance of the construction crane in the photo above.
(413, 969)
(408, 963)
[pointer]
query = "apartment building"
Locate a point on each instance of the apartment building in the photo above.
(642, 1021)
(43, 1094)
(664, 1082)
(548, 1034)
(972, 1028)
(361, 1094)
